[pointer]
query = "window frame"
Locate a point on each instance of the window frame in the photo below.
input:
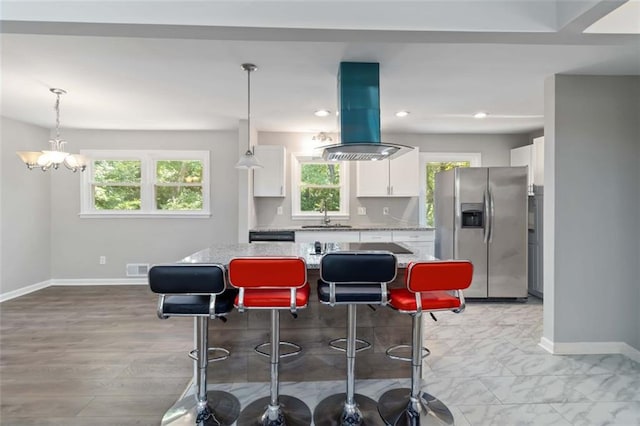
(474, 159)
(296, 214)
(148, 160)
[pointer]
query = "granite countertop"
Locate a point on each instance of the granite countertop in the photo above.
(223, 253)
(344, 228)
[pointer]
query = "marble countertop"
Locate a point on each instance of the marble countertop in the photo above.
(342, 228)
(223, 253)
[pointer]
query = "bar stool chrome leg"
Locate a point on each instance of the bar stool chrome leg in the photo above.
(412, 407)
(348, 409)
(280, 409)
(205, 408)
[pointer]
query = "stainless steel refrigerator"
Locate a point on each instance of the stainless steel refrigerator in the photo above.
(481, 216)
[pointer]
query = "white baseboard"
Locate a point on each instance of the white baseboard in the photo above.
(589, 348)
(71, 281)
(99, 281)
(24, 290)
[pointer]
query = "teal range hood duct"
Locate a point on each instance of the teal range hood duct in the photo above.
(359, 106)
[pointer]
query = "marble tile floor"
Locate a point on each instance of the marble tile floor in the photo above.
(487, 366)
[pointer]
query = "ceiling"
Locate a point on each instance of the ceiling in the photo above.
(176, 65)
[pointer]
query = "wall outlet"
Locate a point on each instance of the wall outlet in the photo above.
(103, 260)
(362, 211)
(279, 210)
(385, 211)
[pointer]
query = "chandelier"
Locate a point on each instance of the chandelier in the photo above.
(248, 160)
(56, 155)
(322, 137)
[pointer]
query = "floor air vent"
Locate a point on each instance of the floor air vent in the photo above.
(137, 269)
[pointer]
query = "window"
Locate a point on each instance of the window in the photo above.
(432, 163)
(318, 182)
(146, 183)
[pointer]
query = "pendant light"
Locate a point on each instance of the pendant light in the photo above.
(56, 155)
(248, 160)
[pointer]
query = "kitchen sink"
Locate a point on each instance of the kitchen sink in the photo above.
(329, 226)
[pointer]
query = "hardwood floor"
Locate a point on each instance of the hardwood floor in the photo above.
(93, 355)
(98, 355)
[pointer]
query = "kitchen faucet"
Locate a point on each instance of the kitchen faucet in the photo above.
(323, 208)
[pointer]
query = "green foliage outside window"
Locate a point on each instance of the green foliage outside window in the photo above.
(319, 183)
(179, 196)
(117, 184)
(179, 171)
(432, 169)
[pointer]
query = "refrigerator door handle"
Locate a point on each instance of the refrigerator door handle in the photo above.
(492, 215)
(487, 218)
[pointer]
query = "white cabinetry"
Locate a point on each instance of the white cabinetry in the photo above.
(375, 236)
(398, 177)
(522, 156)
(538, 161)
(269, 181)
(422, 239)
(417, 238)
(531, 156)
(328, 236)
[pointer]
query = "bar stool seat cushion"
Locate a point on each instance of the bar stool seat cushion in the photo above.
(275, 298)
(405, 300)
(350, 293)
(198, 304)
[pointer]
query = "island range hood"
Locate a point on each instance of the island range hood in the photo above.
(359, 106)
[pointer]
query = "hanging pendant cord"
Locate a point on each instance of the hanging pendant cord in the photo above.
(57, 107)
(249, 110)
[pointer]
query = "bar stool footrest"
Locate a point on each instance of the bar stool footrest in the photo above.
(364, 345)
(222, 354)
(296, 349)
(390, 352)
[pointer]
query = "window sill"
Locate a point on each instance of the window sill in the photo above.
(145, 215)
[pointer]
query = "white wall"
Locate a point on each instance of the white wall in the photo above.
(596, 144)
(26, 206)
(495, 150)
(77, 243)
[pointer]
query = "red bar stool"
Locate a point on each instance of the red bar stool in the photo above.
(273, 283)
(430, 287)
(197, 290)
(352, 278)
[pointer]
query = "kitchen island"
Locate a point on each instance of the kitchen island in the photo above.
(314, 327)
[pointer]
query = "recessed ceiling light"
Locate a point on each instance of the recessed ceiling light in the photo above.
(402, 113)
(322, 113)
(480, 114)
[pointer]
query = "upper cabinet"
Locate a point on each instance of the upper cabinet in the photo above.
(269, 181)
(398, 177)
(538, 171)
(531, 156)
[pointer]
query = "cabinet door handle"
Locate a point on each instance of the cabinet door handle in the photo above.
(391, 189)
(281, 190)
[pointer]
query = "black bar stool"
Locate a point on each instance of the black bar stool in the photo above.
(197, 290)
(352, 278)
(430, 287)
(274, 283)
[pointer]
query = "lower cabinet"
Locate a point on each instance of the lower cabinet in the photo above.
(422, 239)
(330, 236)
